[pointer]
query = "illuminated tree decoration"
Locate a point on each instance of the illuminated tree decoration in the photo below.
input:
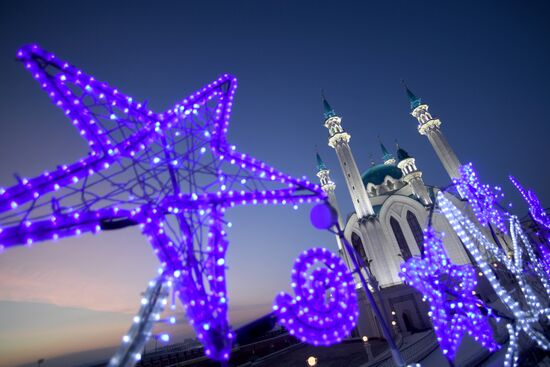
(541, 217)
(152, 302)
(536, 264)
(545, 258)
(172, 173)
(482, 198)
(455, 311)
(535, 207)
(324, 310)
(526, 314)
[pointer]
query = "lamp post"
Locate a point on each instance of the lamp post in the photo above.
(311, 361)
(324, 216)
(368, 348)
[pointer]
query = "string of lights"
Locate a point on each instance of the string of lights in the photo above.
(174, 174)
(153, 303)
(526, 317)
(482, 198)
(535, 206)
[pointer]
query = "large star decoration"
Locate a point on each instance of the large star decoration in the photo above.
(172, 173)
(455, 311)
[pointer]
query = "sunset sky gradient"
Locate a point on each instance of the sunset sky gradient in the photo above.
(482, 67)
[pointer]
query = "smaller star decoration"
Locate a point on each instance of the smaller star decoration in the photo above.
(448, 287)
(482, 198)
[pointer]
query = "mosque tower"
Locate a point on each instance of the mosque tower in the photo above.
(339, 139)
(329, 188)
(429, 126)
(386, 156)
(412, 176)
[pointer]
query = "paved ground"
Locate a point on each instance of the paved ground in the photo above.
(349, 354)
(468, 349)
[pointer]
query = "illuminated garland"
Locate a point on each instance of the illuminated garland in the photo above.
(525, 319)
(517, 235)
(541, 217)
(324, 310)
(545, 258)
(172, 173)
(511, 357)
(448, 288)
(482, 198)
(535, 207)
(152, 304)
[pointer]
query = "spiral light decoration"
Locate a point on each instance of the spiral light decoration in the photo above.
(324, 310)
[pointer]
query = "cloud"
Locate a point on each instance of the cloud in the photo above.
(61, 288)
(36, 330)
(101, 273)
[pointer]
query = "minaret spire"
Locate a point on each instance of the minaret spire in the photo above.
(328, 111)
(387, 157)
(324, 175)
(430, 127)
(413, 100)
(320, 164)
(339, 140)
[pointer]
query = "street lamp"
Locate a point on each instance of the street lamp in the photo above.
(324, 216)
(368, 348)
(311, 361)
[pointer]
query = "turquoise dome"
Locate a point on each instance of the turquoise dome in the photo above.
(376, 174)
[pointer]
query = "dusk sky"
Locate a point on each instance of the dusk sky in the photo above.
(482, 66)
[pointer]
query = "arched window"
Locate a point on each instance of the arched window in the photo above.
(400, 237)
(416, 230)
(358, 246)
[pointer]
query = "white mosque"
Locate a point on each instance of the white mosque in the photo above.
(392, 205)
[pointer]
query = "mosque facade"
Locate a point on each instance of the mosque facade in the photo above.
(392, 206)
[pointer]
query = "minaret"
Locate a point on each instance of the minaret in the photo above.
(329, 187)
(386, 156)
(412, 176)
(429, 126)
(339, 139)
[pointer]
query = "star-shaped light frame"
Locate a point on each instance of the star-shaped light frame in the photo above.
(172, 173)
(455, 311)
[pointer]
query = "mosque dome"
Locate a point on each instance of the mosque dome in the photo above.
(376, 174)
